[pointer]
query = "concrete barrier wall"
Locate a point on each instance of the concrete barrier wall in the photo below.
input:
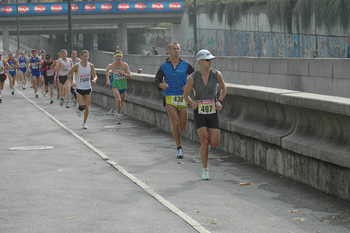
(303, 136)
(321, 76)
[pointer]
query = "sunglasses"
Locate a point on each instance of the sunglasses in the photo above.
(208, 60)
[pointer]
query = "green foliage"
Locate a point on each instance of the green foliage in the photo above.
(327, 13)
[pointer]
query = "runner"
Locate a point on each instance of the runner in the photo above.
(2, 76)
(55, 60)
(118, 72)
(43, 70)
(34, 66)
(22, 69)
(74, 57)
(49, 75)
(84, 73)
(11, 67)
(171, 79)
(206, 84)
(63, 66)
(75, 60)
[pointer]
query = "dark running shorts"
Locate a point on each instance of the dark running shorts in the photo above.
(84, 92)
(211, 121)
(62, 79)
(49, 80)
(3, 77)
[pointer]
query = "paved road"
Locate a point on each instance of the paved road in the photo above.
(70, 189)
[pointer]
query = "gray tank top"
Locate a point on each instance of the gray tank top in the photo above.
(202, 91)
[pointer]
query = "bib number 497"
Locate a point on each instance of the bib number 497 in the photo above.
(206, 107)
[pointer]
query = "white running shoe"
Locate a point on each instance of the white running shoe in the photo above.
(205, 174)
(84, 126)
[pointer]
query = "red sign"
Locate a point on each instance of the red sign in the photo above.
(39, 8)
(175, 5)
(7, 9)
(158, 6)
(23, 9)
(106, 7)
(56, 8)
(123, 6)
(140, 6)
(74, 7)
(90, 7)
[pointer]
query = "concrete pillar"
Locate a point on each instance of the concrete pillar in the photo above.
(5, 39)
(95, 41)
(123, 37)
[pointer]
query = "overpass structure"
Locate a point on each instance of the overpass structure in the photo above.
(36, 18)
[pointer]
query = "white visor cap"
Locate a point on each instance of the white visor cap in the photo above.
(204, 54)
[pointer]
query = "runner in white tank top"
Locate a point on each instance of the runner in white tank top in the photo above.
(83, 77)
(64, 65)
(84, 73)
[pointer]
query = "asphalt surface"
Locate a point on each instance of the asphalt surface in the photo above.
(71, 189)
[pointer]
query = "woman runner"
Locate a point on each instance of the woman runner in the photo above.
(205, 84)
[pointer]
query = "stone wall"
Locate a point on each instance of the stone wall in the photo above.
(299, 135)
(321, 76)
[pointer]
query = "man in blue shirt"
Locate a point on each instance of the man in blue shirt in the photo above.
(171, 78)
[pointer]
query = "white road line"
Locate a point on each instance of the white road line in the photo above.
(193, 223)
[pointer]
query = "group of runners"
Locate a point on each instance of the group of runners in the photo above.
(70, 77)
(201, 88)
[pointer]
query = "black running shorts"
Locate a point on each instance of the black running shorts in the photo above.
(49, 80)
(3, 77)
(210, 121)
(62, 79)
(84, 92)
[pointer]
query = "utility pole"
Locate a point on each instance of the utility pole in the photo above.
(316, 53)
(17, 26)
(195, 38)
(70, 33)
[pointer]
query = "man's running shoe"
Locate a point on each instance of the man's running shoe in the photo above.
(61, 101)
(84, 126)
(36, 96)
(51, 101)
(0, 100)
(12, 92)
(118, 117)
(179, 153)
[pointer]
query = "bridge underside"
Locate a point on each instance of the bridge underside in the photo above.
(35, 25)
(111, 19)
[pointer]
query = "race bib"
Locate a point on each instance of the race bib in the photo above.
(22, 65)
(117, 76)
(206, 107)
(176, 100)
(50, 72)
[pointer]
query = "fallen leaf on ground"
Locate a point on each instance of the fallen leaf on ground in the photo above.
(294, 211)
(245, 183)
(299, 219)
